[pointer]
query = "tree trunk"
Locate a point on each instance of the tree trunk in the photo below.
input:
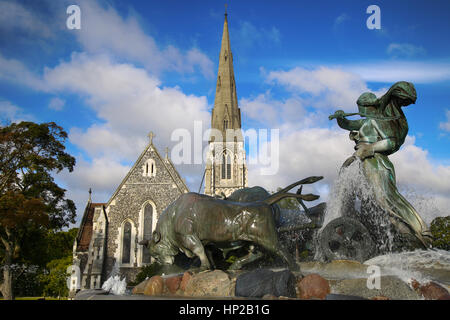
(7, 285)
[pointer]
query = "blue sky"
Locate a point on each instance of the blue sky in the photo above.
(137, 66)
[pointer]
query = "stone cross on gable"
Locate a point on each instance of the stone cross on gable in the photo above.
(150, 136)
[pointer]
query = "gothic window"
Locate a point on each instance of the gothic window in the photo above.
(226, 166)
(126, 243)
(149, 168)
(226, 55)
(225, 124)
(147, 230)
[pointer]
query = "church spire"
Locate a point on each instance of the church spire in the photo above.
(226, 113)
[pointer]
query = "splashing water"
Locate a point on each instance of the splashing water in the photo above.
(115, 285)
(350, 191)
(421, 265)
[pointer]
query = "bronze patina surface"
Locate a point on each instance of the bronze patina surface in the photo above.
(380, 133)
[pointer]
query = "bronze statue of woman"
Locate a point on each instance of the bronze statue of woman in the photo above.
(380, 133)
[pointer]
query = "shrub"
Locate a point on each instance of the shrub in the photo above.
(440, 228)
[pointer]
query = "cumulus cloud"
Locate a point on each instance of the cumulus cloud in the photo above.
(392, 71)
(407, 50)
(13, 70)
(105, 30)
(130, 101)
(324, 87)
(446, 124)
(16, 18)
(248, 35)
(56, 104)
(12, 113)
(316, 148)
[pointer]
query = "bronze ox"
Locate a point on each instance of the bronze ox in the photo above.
(194, 220)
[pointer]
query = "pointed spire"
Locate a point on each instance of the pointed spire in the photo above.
(90, 195)
(167, 153)
(226, 113)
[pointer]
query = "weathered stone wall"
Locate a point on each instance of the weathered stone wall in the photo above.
(162, 189)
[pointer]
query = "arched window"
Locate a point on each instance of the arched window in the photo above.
(149, 168)
(147, 230)
(225, 124)
(224, 161)
(226, 166)
(126, 243)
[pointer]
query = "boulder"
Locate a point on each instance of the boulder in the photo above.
(390, 286)
(184, 280)
(434, 291)
(336, 269)
(262, 282)
(173, 283)
(209, 284)
(313, 286)
(154, 286)
(139, 289)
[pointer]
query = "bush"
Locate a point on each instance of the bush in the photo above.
(55, 280)
(440, 228)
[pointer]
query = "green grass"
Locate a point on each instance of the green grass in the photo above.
(36, 298)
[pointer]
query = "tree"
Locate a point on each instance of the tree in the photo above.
(55, 279)
(30, 200)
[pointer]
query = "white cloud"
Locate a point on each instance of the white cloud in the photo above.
(104, 30)
(16, 18)
(446, 124)
(129, 101)
(405, 50)
(393, 71)
(308, 149)
(248, 35)
(271, 112)
(327, 88)
(12, 113)
(56, 104)
(15, 71)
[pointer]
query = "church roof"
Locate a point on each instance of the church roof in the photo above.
(85, 232)
(167, 164)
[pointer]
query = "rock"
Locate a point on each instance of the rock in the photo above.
(209, 284)
(336, 269)
(173, 283)
(390, 286)
(379, 298)
(313, 286)
(334, 296)
(415, 284)
(269, 297)
(139, 289)
(185, 279)
(87, 294)
(154, 286)
(434, 291)
(261, 282)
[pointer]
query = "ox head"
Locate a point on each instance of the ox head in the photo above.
(159, 249)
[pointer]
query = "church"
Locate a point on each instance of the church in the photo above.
(109, 233)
